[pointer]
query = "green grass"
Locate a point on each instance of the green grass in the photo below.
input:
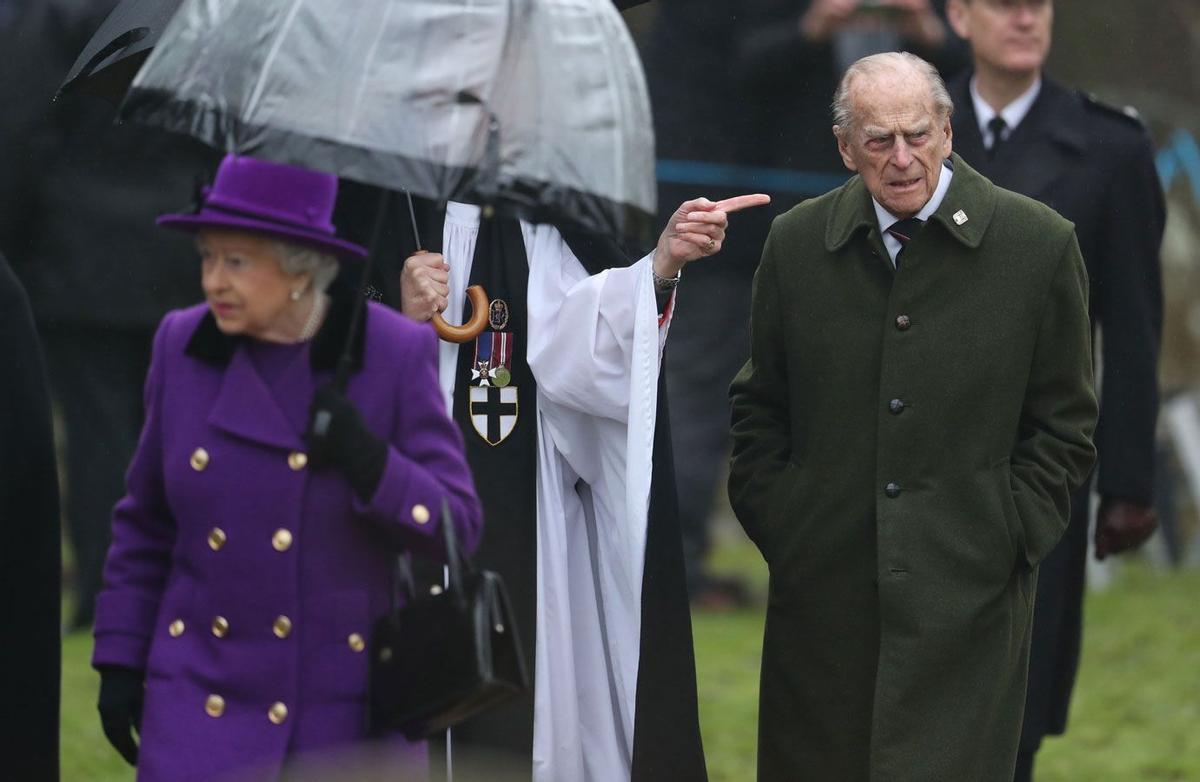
(1136, 714)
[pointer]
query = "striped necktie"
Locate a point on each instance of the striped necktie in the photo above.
(903, 231)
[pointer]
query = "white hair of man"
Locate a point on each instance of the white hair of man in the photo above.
(297, 259)
(843, 105)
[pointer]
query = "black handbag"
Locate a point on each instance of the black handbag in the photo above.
(443, 656)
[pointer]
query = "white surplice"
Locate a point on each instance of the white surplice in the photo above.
(595, 348)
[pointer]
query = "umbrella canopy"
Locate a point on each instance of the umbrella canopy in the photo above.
(118, 48)
(534, 106)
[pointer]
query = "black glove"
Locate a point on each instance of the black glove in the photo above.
(1122, 526)
(338, 437)
(122, 691)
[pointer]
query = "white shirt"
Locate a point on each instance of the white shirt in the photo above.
(886, 218)
(1012, 114)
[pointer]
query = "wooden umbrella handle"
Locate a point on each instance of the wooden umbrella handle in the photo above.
(469, 330)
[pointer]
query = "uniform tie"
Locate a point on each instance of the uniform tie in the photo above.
(903, 231)
(996, 126)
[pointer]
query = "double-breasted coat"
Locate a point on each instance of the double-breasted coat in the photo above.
(905, 444)
(1094, 165)
(245, 582)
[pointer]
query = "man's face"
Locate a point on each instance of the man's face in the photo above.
(897, 142)
(1012, 36)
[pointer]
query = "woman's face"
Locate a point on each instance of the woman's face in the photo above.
(247, 290)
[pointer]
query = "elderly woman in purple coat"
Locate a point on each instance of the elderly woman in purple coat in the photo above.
(248, 561)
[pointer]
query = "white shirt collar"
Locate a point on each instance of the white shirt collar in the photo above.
(886, 218)
(1013, 113)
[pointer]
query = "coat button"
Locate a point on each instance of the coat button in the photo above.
(277, 713)
(199, 459)
(214, 706)
(892, 490)
(896, 406)
(217, 538)
(903, 322)
(356, 642)
(220, 626)
(175, 628)
(282, 626)
(420, 514)
(281, 540)
(297, 460)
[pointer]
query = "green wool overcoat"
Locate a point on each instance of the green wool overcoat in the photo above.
(905, 445)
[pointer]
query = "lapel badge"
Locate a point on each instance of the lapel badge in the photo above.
(498, 314)
(960, 217)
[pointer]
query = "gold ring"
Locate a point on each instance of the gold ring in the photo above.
(711, 244)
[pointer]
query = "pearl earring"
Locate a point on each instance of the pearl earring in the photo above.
(295, 296)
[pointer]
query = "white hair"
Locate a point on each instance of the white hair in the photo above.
(843, 106)
(296, 259)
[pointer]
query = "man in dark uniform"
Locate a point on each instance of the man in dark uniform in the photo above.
(1094, 165)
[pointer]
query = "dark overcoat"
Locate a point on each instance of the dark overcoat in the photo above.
(30, 574)
(245, 582)
(1094, 165)
(905, 444)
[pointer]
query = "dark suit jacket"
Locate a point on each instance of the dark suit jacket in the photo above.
(1095, 166)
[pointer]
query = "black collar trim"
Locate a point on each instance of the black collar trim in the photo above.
(209, 344)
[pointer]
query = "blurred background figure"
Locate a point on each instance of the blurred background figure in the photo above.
(29, 554)
(9, 10)
(1094, 165)
(78, 197)
(758, 119)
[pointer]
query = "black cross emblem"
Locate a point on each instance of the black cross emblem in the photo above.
(493, 408)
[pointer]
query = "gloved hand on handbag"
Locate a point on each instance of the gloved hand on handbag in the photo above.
(122, 692)
(1121, 526)
(338, 437)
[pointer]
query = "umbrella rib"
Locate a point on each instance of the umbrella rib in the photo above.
(260, 86)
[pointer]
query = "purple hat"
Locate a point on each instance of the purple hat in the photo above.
(287, 202)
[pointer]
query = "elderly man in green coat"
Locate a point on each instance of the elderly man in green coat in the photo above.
(916, 410)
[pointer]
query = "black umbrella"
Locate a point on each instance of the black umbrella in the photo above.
(118, 48)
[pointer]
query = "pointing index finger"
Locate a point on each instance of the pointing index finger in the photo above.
(738, 203)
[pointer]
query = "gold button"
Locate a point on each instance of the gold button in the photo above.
(220, 626)
(176, 628)
(356, 642)
(281, 540)
(420, 514)
(297, 460)
(199, 459)
(214, 706)
(282, 626)
(277, 713)
(216, 538)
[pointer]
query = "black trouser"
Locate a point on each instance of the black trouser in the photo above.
(96, 376)
(708, 343)
(1024, 772)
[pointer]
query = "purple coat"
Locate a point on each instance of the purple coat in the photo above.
(246, 583)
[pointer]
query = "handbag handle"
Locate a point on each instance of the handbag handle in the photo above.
(454, 558)
(404, 587)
